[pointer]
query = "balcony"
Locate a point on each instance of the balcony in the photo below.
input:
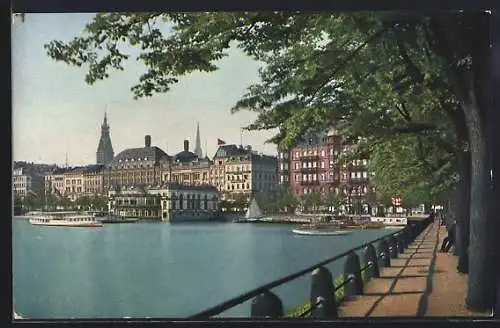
(309, 169)
(309, 183)
(309, 157)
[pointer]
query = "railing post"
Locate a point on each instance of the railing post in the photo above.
(383, 252)
(400, 243)
(407, 233)
(267, 305)
(322, 290)
(352, 269)
(370, 257)
(393, 248)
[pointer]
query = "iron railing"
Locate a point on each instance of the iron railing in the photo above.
(267, 304)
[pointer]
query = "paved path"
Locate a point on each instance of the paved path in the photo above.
(420, 282)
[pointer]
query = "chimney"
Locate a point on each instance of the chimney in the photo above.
(147, 141)
(186, 145)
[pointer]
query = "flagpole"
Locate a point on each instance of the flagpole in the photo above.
(241, 136)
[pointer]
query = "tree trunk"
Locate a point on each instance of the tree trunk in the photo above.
(462, 213)
(480, 295)
(495, 135)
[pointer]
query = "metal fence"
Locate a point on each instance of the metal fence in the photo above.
(323, 303)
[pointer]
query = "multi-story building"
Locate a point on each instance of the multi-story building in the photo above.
(283, 166)
(170, 202)
(55, 182)
(76, 182)
(136, 167)
(188, 168)
(26, 180)
(93, 177)
(105, 153)
(239, 170)
(314, 168)
(312, 164)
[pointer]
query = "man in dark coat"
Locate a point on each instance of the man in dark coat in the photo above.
(450, 239)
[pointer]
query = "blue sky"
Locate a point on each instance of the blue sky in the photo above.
(55, 112)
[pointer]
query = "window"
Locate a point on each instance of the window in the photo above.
(365, 175)
(304, 177)
(297, 177)
(323, 153)
(322, 165)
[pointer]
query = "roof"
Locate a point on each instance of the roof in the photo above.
(231, 150)
(147, 155)
(185, 156)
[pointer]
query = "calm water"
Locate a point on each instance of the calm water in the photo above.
(161, 270)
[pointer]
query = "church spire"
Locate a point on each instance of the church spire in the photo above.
(197, 149)
(105, 151)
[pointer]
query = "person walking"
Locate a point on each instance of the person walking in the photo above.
(449, 240)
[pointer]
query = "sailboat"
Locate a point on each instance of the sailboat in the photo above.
(253, 213)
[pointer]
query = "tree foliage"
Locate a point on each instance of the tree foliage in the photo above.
(412, 85)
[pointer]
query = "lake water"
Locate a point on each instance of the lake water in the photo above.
(161, 270)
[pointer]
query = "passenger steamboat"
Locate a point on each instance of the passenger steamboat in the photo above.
(64, 219)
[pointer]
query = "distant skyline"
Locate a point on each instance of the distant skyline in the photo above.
(56, 113)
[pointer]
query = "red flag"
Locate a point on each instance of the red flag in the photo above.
(220, 142)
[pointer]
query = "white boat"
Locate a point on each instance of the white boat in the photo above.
(396, 222)
(253, 213)
(315, 232)
(64, 219)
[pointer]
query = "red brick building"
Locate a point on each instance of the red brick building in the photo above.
(313, 168)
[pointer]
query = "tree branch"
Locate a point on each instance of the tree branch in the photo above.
(370, 39)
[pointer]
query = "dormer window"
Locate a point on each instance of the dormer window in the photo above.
(132, 160)
(126, 159)
(119, 161)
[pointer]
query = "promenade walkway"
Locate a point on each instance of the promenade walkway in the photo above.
(420, 282)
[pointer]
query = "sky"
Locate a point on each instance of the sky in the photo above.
(57, 115)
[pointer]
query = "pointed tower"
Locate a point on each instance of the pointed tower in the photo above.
(197, 148)
(104, 149)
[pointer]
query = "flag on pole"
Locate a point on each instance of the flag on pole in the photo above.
(220, 142)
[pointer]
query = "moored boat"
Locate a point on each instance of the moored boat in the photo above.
(64, 219)
(320, 232)
(117, 219)
(335, 229)
(252, 215)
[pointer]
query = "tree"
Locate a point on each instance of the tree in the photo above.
(286, 200)
(320, 68)
(332, 199)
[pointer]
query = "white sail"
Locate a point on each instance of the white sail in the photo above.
(253, 211)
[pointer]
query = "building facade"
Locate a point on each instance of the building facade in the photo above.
(283, 166)
(239, 170)
(105, 153)
(314, 167)
(26, 181)
(171, 202)
(187, 168)
(136, 167)
(76, 182)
